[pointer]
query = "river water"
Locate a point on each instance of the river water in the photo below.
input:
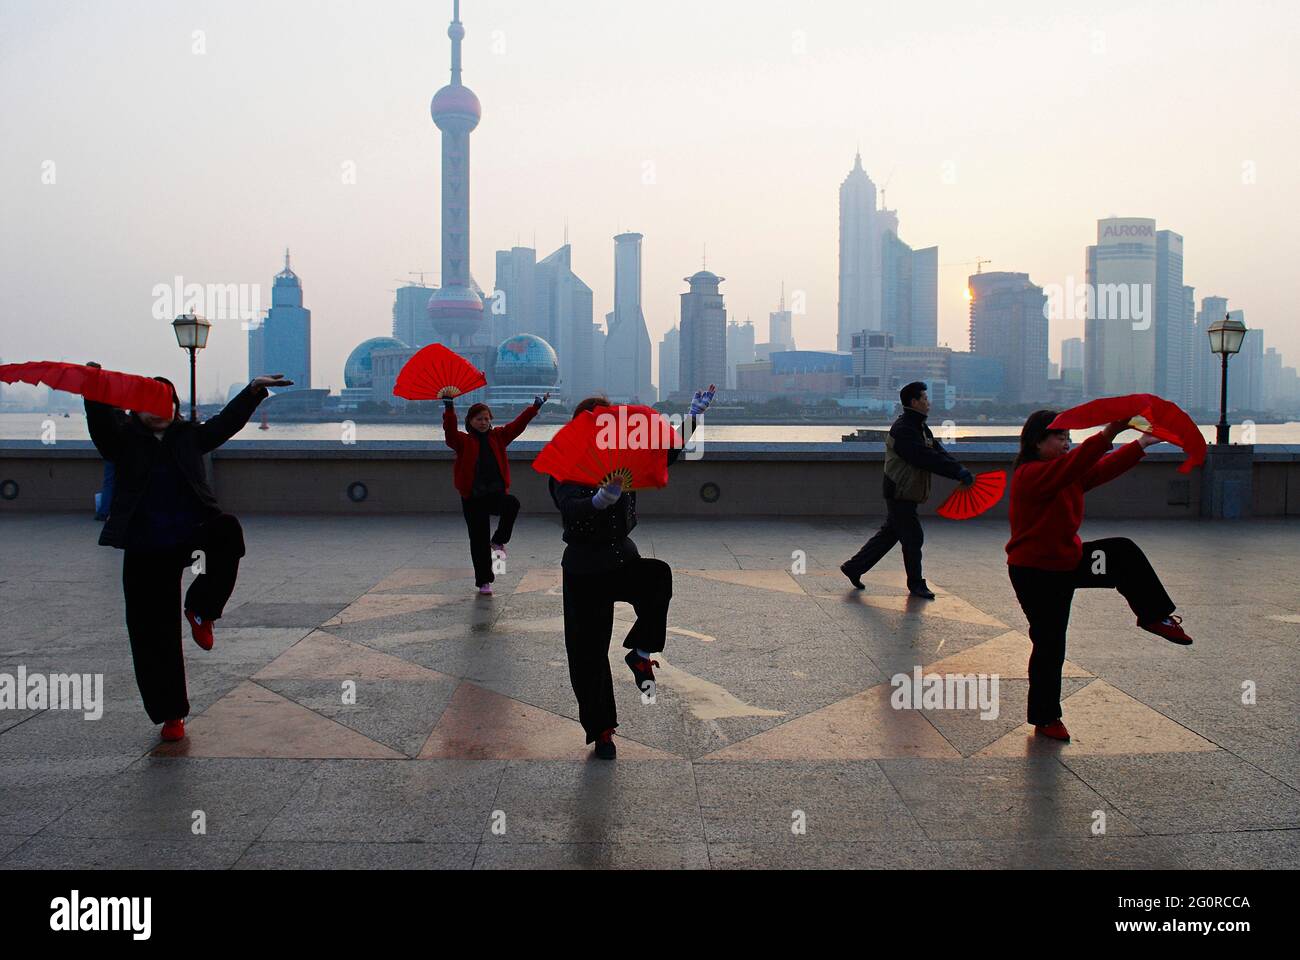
(33, 426)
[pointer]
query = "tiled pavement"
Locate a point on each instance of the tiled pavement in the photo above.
(364, 709)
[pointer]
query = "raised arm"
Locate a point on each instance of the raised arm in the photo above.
(1046, 477)
(699, 404)
(1113, 464)
(450, 429)
(232, 418)
(106, 425)
(516, 426)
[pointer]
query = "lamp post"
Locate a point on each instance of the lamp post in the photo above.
(192, 335)
(1226, 336)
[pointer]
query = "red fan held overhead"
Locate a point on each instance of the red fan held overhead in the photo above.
(1146, 412)
(124, 390)
(435, 373)
(627, 444)
(980, 497)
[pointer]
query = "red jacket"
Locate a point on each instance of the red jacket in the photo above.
(1047, 502)
(466, 447)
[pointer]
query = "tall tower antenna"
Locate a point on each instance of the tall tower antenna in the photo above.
(783, 296)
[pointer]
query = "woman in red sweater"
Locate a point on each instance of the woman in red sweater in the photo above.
(1048, 562)
(482, 477)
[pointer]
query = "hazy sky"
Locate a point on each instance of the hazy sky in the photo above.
(1004, 130)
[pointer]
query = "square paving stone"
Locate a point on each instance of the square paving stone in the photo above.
(762, 802)
(357, 856)
(1191, 793)
(976, 799)
(659, 855)
(1252, 850)
(373, 801)
(36, 791)
(597, 801)
(103, 853)
(158, 799)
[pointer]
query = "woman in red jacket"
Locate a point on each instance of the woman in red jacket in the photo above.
(482, 477)
(1048, 562)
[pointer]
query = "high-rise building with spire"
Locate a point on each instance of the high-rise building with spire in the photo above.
(456, 307)
(627, 341)
(703, 334)
(859, 303)
(281, 342)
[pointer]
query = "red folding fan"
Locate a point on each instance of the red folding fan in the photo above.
(1145, 412)
(124, 390)
(435, 373)
(626, 443)
(979, 497)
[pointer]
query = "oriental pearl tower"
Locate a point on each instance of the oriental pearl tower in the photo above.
(456, 308)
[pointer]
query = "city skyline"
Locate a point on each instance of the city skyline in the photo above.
(645, 179)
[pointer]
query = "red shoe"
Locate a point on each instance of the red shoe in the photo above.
(201, 629)
(605, 748)
(1056, 730)
(173, 730)
(1170, 628)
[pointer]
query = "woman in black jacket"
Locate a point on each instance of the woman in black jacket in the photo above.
(602, 566)
(165, 517)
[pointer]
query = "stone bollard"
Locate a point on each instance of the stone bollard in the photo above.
(1226, 481)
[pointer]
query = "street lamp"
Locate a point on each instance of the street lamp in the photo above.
(1226, 336)
(192, 335)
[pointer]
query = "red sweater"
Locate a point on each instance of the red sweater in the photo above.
(466, 447)
(1047, 502)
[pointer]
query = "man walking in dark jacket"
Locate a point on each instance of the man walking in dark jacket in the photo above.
(911, 455)
(165, 517)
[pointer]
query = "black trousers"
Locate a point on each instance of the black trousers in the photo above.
(901, 525)
(1045, 597)
(151, 582)
(589, 600)
(478, 518)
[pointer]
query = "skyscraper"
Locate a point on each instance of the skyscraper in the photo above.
(859, 303)
(740, 349)
(456, 307)
(1008, 322)
(1119, 331)
(627, 342)
(1072, 354)
(281, 343)
(1173, 324)
(780, 327)
(563, 316)
(884, 283)
(1206, 370)
(411, 324)
(703, 333)
(670, 359)
(514, 300)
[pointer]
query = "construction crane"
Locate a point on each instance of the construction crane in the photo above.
(978, 261)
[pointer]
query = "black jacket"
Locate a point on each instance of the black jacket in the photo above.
(132, 447)
(911, 441)
(597, 541)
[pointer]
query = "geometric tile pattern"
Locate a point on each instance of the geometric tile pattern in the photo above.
(701, 691)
